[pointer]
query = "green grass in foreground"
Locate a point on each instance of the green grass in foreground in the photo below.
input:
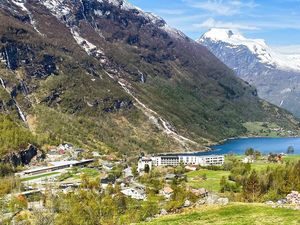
(212, 183)
(291, 158)
(39, 176)
(233, 214)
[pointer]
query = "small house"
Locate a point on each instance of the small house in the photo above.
(143, 163)
(167, 192)
(201, 192)
(135, 193)
(107, 166)
(128, 176)
(104, 182)
(191, 167)
(170, 176)
(248, 159)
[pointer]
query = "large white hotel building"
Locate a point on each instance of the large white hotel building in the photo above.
(175, 160)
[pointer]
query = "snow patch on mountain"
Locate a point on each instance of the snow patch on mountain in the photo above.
(286, 90)
(59, 8)
(21, 5)
(258, 47)
(125, 5)
(89, 48)
(173, 32)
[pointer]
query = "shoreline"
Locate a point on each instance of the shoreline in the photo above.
(248, 137)
(221, 142)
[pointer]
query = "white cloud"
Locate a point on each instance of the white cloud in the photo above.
(212, 23)
(222, 7)
(170, 11)
(284, 24)
(288, 49)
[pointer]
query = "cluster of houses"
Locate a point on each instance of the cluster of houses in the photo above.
(133, 189)
(58, 158)
(67, 156)
(64, 151)
(175, 160)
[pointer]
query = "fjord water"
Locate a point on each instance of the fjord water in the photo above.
(264, 145)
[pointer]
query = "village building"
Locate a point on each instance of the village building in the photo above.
(96, 154)
(171, 177)
(201, 192)
(104, 182)
(167, 192)
(107, 166)
(72, 185)
(127, 174)
(77, 152)
(65, 147)
(191, 167)
(36, 205)
(143, 162)
(175, 160)
(248, 159)
(136, 193)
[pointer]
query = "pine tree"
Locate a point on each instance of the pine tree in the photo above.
(252, 187)
(223, 183)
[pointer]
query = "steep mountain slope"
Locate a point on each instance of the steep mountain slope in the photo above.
(106, 75)
(276, 76)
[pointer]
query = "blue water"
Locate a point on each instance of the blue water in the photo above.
(264, 145)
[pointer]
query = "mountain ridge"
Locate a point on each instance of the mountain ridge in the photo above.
(258, 47)
(275, 75)
(112, 79)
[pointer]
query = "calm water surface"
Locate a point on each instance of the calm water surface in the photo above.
(264, 145)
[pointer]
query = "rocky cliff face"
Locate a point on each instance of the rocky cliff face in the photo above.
(22, 157)
(106, 75)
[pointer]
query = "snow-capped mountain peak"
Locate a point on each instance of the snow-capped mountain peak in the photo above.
(234, 39)
(218, 34)
(61, 8)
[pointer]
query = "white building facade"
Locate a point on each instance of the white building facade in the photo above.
(175, 160)
(134, 193)
(143, 162)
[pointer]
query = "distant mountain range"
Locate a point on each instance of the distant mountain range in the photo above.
(276, 76)
(106, 75)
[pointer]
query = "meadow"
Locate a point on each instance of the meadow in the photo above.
(233, 214)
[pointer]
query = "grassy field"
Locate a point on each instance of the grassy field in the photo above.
(77, 173)
(264, 129)
(262, 165)
(40, 176)
(259, 165)
(212, 182)
(291, 158)
(233, 214)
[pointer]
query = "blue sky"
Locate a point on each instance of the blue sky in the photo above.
(276, 21)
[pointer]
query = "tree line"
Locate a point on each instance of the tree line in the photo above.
(272, 183)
